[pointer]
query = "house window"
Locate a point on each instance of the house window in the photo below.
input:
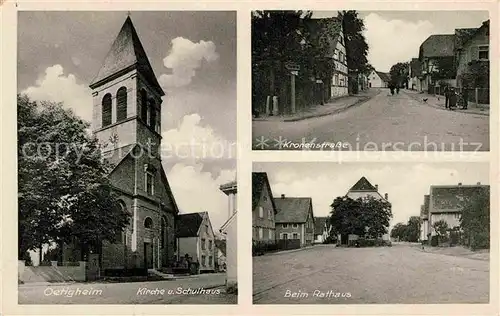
(152, 115)
(483, 52)
(106, 110)
(285, 236)
(270, 214)
(203, 260)
(150, 188)
(285, 225)
(121, 104)
(271, 234)
(209, 245)
(295, 236)
(148, 223)
(210, 259)
(295, 225)
(144, 106)
(261, 212)
(336, 79)
(336, 54)
(261, 233)
(203, 245)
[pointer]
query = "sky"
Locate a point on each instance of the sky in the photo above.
(396, 36)
(405, 183)
(193, 55)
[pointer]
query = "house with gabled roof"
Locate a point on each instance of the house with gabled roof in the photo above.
(446, 203)
(126, 121)
(437, 61)
(295, 220)
(472, 56)
(360, 190)
(263, 209)
(414, 74)
(220, 254)
(378, 79)
(322, 229)
(195, 240)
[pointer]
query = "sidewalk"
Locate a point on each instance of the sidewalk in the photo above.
(436, 101)
(459, 251)
(333, 107)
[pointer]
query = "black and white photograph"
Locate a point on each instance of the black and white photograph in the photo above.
(371, 233)
(371, 80)
(126, 143)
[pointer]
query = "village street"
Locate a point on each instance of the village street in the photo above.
(385, 275)
(384, 123)
(131, 293)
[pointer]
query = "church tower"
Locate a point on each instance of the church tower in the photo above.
(126, 95)
(127, 122)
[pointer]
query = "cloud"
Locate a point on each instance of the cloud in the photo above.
(382, 35)
(406, 183)
(56, 87)
(192, 140)
(198, 191)
(184, 59)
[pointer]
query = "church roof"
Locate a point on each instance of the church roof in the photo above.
(125, 53)
(188, 224)
(363, 185)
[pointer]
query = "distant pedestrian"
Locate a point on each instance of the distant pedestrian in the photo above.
(446, 96)
(465, 96)
(452, 99)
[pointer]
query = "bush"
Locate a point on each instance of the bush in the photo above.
(261, 247)
(434, 241)
(370, 243)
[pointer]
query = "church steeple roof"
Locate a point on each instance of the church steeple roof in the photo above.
(125, 54)
(363, 185)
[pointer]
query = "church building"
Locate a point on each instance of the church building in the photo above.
(127, 102)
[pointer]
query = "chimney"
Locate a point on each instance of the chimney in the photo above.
(376, 187)
(282, 196)
(460, 183)
(386, 196)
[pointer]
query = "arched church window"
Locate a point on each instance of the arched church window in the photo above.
(144, 106)
(152, 114)
(121, 104)
(163, 232)
(119, 237)
(106, 110)
(148, 223)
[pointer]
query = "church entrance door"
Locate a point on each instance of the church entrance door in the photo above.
(148, 255)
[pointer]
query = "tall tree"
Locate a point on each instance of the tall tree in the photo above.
(276, 40)
(63, 190)
(399, 231)
(413, 229)
(399, 74)
(356, 45)
(364, 216)
(475, 220)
